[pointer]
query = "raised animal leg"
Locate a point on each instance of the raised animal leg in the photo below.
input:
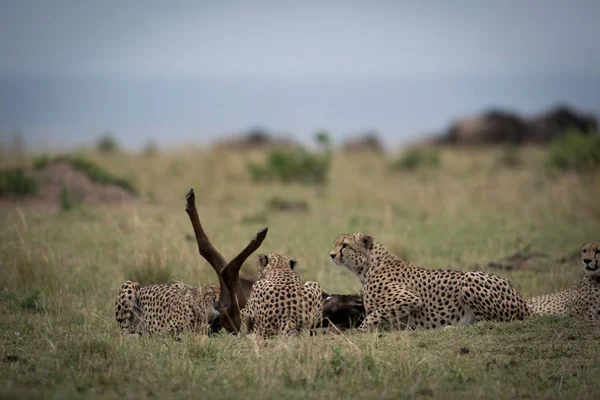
(492, 298)
(400, 303)
(126, 307)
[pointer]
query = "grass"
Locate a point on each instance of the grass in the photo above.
(62, 271)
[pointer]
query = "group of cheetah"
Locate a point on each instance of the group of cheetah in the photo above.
(395, 293)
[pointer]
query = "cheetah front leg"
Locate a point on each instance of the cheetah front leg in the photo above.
(399, 304)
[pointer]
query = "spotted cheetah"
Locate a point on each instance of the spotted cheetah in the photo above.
(581, 301)
(279, 302)
(406, 295)
(165, 308)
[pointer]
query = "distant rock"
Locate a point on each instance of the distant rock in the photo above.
(503, 127)
(555, 122)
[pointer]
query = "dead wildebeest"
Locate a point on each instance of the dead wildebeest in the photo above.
(343, 311)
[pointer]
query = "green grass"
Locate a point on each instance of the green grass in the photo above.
(60, 273)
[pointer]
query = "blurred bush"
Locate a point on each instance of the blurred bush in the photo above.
(574, 151)
(295, 165)
(13, 182)
(107, 143)
(416, 158)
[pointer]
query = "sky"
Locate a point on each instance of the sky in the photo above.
(181, 71)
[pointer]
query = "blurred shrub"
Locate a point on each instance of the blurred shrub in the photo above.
(575, 151)
(41, 161)
(322, 138)
(13, 182)
(415, 158)
(107, 143)
(510, 157)
(297, 165)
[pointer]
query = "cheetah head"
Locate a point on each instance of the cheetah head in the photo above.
(352, 251)
(268, 263)
(590, 258)
(211, 301)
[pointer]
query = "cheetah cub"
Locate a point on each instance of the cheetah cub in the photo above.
(279, 302)
(406, 295)
(165, 309)
(581, 301)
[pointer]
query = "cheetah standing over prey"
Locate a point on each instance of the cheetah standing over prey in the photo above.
(166, 308)
(279, 302)
(407, 295)
(581, 301)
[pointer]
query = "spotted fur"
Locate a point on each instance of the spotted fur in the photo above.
(406, 295)
(165, 309)
(279, 302)
(581, 301)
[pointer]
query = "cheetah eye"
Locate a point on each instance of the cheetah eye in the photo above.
(584, 251)
(597, 251)
(344, 245)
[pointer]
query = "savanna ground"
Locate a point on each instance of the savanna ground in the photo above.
(61, 271)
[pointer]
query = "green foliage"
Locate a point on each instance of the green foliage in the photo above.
(107, 143)
(297, 165)
(13, 182)
(575, 151)
(41, 161)
(414, 159)
(322, 138)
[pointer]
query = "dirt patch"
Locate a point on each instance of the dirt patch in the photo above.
(61, 179)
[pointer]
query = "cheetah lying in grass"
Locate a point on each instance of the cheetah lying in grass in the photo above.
(279, 302)
(406, 295)
(165, 309)
(581, 301)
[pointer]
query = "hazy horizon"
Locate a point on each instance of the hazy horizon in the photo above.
(187, 71)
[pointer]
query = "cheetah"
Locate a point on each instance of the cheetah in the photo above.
(165, 308)
(581, 301)
(279, 302)
(408, 296)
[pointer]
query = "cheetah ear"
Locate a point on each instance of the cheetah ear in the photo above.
(263, 260)
(367, 241)
(293, 264)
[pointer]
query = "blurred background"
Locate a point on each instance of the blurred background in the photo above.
(180, 72)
